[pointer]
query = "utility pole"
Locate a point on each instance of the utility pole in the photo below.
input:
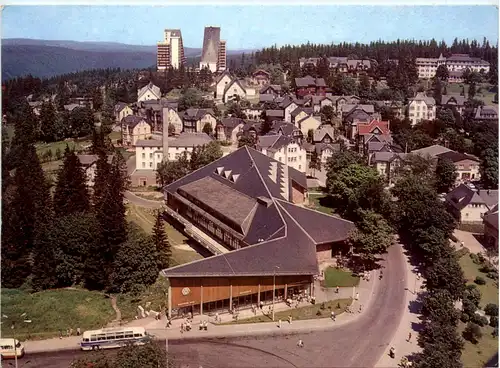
(274, 286)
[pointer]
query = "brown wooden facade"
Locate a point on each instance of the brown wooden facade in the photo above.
(187, 292)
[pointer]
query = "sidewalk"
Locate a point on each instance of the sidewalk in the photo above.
(157, 327)
(409, 323)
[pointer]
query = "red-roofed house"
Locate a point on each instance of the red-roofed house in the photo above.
(373, 127)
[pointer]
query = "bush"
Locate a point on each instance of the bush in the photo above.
(479, 320)
(491, 310)
(487, 268)
(495, 332)
(494, 322)
(480, 281)
(462, 252)
(464, 317)
(472, 333)
(492, 275)
(481, 258)
(468, 307)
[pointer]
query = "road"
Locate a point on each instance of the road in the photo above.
(357, 344)
(142, 201)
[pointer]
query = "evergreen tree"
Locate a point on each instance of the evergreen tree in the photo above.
(103, 170)
(162, 243)
(472, 91)
(71, 194)
(50, 129)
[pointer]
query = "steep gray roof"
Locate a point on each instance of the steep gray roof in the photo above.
(462, 196)
(150, 86)
(457, 156)
(310, 81)
(421, 96)
(387, 156)
(132, 120)
(232, 122)
(183, 140)
(320, 147)
(323, 130)
(275, 113)
(196, 114)
(453, 99)
(432, 151)
(279, 234)
(491, 217)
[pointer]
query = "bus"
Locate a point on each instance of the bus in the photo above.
(9, 348)
(109, 338)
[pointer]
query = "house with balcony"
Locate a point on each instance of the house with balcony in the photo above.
(261, 78)
(468, 205)
(387, 164)
(195, 119)
(310, 86)
(134, 128)
(283, 149)
(467, 166)
(421, 107)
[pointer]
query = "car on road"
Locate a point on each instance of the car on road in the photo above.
(10, 348)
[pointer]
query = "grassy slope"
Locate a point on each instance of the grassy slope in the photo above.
(477, 355)
(52, 310)
(335, 277)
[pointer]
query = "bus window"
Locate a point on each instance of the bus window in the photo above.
(129, 334)
(7, 347)
(93, 338)
(138, 335)
(86, 340)
(119, 335)
(110, 337)
(101, 337)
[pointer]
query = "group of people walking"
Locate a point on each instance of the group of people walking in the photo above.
(69, 332)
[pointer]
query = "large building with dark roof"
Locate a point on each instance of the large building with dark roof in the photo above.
(248, 210)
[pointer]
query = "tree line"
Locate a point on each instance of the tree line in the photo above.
(70, 234)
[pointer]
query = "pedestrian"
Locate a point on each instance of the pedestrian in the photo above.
(300, 344)
(71, 332)
(182, 327)
(357, 296)
(360, 308)
(290, 319)
(67, 332)
(201, 325)
(279, 323)
(60, 334)
(333, 315)
(418, 276)
(337, 290)
(392, 352)
(409, 337)
(78, 332)
(261, 304)
(216, 317)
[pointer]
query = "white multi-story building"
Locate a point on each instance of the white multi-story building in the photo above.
(421, 108)
(284, 149)
(170, 52)
(427, 67)
(149, 152)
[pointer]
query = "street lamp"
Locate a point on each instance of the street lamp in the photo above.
(274, 286)
(23, 315)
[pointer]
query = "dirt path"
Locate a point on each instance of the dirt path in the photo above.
(118, 318)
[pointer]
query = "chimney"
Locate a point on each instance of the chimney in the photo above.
(165, 133)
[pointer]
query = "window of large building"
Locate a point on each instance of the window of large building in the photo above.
(143, 155)
(143, 164)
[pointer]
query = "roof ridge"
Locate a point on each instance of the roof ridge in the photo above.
(300, 227)
(229, 264)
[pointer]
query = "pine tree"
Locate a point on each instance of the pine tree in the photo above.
(48, 123)
(162, 243)
(103, 170)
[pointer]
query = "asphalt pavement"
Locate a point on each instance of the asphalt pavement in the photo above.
(360, 343)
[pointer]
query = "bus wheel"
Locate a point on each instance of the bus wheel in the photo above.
(95, 347)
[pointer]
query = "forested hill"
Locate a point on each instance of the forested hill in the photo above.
(48, 61)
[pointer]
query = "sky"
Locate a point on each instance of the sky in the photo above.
(249, 27)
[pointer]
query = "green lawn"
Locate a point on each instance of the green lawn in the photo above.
(145, 219)
(52, 310)
(479, 354)
(61, 145)
(317, 202)
(337, 277)
(302, 313)
(484, 94)
(489, 291)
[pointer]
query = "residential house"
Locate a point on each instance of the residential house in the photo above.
(486, 112)
(324, 134)
(468, 205)
(267, 98)
(271, 89)
(89, 165)
(134, 128)
(310, 86)
(396, 107)
(233, 90)
(148, 92)
(251, 129)
(387, 164)
(122, 110)
(195, 119)
(228, 128)
(467, 165)
(221, 83)
(261, 78)
(274, 115)
(340, 101)
(431, 151)
(318, 102)
(362, 119)
(288, 107)
(326, 150)
(173, 119)
(421, 107)
(149, 152)
(299, 114)
(453, 101)
(254, 112)
(308, 123)
(288, 130)
(490, 220)
(283, 149)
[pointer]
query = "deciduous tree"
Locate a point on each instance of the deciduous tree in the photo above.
(446, 175)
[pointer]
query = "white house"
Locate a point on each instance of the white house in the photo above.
(326, 150)
(149, 152)
(148, 92)
(122, 110)
(288, 109)
(173, 118)
(308, 123)
(469, 205)
(195, 119)
(220, 85)
(233, 89)
(421, 108)
(284, 149)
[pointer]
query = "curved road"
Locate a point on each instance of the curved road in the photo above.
(360, 343)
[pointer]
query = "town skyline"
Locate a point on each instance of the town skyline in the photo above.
(351, 24)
